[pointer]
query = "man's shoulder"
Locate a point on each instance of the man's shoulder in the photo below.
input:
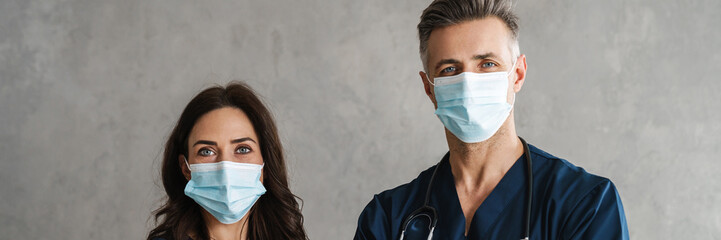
(560, 170)
(404, 194)
(407, 190)
(590, 203)
(377, 218)
(562, 179)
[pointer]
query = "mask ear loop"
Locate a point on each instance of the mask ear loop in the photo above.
(428, 79)
(513, 102)
(186, 162)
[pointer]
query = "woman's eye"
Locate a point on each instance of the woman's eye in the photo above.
(448, 70)
(488, 65)
(243, 150)
(205, 152)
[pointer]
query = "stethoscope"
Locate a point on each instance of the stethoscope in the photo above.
(426, 211)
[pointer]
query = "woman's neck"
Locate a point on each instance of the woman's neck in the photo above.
(220, 231)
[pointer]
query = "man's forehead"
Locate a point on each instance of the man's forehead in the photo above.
(468, 39)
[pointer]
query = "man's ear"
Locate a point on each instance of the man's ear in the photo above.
(520, 73)
(184, 166)
(427, 86)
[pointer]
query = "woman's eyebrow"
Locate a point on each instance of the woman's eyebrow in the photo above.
(206, 142)
(242, 140)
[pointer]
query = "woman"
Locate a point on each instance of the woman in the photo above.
(224, 173)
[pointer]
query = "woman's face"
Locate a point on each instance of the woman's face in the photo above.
(224, 134)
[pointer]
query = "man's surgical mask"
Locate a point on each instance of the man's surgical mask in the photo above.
(473, 106)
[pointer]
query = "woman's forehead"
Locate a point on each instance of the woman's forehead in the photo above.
(223, 124)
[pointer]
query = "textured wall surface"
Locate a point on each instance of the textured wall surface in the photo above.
(89, 91)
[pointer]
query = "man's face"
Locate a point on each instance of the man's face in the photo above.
(479, 46)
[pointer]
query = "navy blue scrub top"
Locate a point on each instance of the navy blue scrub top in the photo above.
(568, 203)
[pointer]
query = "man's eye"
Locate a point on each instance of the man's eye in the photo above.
(448, 70)
(205, 152)
(488, 65)
(243, 150)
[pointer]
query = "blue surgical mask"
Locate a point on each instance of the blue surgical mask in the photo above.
(227, 190)
(473, 106)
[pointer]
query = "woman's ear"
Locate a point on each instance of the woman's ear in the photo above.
(184, 166)
(262, 173)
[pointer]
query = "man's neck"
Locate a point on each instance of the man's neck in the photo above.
(481, 165)
(478, 167)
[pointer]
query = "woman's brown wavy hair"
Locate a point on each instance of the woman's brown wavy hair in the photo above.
(276, 215)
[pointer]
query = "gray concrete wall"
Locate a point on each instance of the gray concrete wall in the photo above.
(89, 90)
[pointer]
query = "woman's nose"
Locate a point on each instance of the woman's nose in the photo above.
(225, 156)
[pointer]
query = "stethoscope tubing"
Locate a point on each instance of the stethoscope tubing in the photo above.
(529, 178)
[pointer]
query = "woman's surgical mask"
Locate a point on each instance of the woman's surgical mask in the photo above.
(227, 190)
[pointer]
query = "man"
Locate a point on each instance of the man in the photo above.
(480, 189)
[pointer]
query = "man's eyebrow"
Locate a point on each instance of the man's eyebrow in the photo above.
(242, 140)
(484, 56)
(446, 61)
(206, 142)
(455, 61)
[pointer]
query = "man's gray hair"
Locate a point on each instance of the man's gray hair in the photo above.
(442, 13)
